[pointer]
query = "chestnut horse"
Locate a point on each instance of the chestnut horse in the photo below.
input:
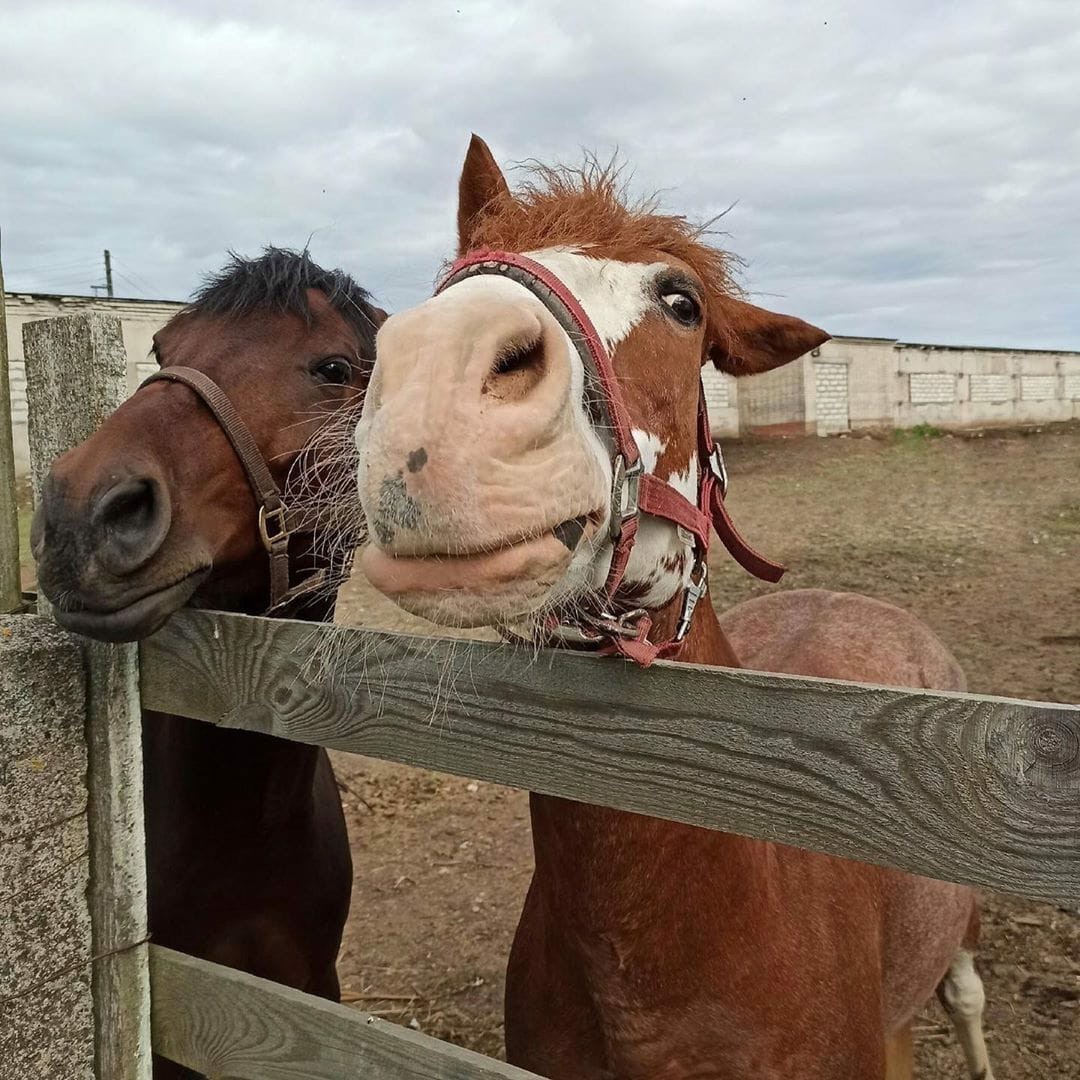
(534, 454)
(248, 857)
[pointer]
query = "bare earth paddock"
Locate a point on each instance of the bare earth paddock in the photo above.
(980, 536)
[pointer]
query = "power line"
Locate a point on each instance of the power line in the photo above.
(145, 286)
(49, 268)
(124, 277)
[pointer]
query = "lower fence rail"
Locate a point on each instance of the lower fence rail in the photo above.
(226, 1023)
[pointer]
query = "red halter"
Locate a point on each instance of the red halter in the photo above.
(633, 491)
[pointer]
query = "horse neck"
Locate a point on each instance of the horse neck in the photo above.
(242, 778)
(584, 852)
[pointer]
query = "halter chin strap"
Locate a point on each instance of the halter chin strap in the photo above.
(276, 522)
(634, 492)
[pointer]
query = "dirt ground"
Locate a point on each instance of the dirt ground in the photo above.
(979, 536)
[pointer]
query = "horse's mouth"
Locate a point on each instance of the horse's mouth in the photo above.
(517, 572)
(136, 620)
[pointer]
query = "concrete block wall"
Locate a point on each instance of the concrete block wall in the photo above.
(721, 401)
(932, 387)
(850, 383)
(17, 379)
(991, 389)
(140, 320)
(831, 397)
(871, 375)
(956, 387)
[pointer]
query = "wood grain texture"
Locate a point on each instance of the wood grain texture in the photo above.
(10, 594)
(227, 1023)
(76, 370)
(955, 786)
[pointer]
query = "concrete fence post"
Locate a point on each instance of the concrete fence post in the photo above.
(46, 1014)
(76, 374)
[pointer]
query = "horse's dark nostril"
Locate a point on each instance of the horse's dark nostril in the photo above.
(569, 533)
(128, 505)
(133, 518)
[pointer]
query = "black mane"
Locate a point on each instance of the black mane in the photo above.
(278, 281)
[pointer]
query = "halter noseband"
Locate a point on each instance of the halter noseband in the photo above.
(276, 522)
(633, 491)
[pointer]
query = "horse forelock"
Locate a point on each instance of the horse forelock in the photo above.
(278, 281)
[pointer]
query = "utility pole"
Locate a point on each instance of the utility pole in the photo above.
(108, 274)
(10, 590)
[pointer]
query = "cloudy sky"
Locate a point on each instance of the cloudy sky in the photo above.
(904, 170)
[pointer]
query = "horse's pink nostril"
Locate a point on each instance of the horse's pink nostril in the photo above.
(517, 369)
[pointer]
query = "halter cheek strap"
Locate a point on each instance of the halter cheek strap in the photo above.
(634, 491)
(276, 522)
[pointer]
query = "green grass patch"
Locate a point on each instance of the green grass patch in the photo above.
(1064, 519)
(920, 433)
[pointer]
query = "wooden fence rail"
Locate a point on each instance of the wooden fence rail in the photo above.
(227, 1023)
(960, 787)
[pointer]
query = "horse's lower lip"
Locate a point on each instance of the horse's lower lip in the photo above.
(136, 620)
(443, 573)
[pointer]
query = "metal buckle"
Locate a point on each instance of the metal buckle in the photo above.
(718, 468)
(625, 485)
(574, 635)
(622, 626)
(273, 528)
(693, 592)
(596, 629)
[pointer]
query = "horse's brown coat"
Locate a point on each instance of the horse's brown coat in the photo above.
(248, 858)
(649, 949)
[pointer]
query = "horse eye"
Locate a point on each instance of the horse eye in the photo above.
(334, 369)
(684, 308)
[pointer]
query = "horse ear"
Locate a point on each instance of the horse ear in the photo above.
(752, 340)
(378, 314)
(481, 184)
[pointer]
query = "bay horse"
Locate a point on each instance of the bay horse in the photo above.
(535, 455)
(248, 856)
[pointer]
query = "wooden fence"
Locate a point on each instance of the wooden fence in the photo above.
(962, 787)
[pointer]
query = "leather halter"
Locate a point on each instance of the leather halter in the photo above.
(634, 492)
(276, 523)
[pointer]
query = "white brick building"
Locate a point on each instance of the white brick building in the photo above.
(847, 384)
(855, 383)
(139, 320)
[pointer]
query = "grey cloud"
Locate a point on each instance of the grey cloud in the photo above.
(904, 170)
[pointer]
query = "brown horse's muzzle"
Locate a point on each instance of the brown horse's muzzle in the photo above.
(99, 543)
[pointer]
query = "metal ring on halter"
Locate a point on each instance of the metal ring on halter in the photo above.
(275, 522)
(719, 469)
(692, 593)
(597, 630)
(625, 487)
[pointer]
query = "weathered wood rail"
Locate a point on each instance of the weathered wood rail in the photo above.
(954, 786)
(227, 1023)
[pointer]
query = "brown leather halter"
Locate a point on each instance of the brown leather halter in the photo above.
(276, 523)
(634, 492)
